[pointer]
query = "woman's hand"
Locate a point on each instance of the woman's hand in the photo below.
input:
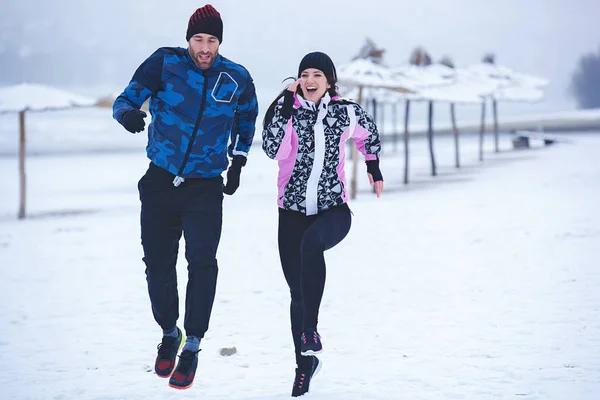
(294, 86)
(378, 185)
(375, 177)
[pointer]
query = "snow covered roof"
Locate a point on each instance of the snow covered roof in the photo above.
(512, 86)
(423, 77)
(458, 93)
(529, 80)
(381, 95)
(364, 72)
(506, 76)
(439, 82)
(519, 93)
(36, 97)
(502, 75)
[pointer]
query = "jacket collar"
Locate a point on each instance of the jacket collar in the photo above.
(301, 102)
(216, 64)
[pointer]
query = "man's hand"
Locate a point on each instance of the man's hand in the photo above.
(133, 120)
(233, 174)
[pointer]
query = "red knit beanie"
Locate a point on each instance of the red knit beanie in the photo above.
(205, 20)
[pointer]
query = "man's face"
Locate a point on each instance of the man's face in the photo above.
(203, 49)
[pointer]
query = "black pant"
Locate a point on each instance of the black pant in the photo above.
(302, 242)
(194, 208)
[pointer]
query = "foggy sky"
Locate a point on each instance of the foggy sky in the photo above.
(102, 42)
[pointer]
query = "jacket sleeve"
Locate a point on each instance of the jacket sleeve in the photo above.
(277, 131)
(366, 136)
(145, 82)
(244, 124)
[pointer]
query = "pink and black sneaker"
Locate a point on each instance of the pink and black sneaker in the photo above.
(167, 353)
(303, 378)
(310, 343)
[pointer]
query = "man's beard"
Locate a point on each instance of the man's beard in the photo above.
(204, 64)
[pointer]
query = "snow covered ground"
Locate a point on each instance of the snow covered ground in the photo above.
(478, 284)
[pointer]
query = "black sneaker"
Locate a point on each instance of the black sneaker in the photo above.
(303, 378)
(183, 377)
(167, 353)
(310, 343)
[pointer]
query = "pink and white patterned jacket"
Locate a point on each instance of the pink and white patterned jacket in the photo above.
(310, 147)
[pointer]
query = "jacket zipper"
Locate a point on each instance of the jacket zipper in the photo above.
(178, 179)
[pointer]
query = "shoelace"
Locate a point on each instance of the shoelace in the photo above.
(299, 381)
(185, 360)
(165, 348)
(303, 337)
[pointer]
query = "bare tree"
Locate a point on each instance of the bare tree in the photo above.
(447, 61)
(586, 81)
(420, 57)
(370, 51)
(489, 58)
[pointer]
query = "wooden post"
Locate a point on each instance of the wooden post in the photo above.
(381, 130)
(482, 130)
(455, 131)
(406, 120)
(22, 180)
(394, 125)
(374, 114)
(374, 109)
(496, 130)
(355, 156)
(430, 139)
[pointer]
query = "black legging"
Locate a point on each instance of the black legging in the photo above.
(302, 241)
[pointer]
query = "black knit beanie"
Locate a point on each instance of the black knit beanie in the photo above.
(320, 61)
(205, 20)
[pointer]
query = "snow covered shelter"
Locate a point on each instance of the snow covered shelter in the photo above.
(25, 97)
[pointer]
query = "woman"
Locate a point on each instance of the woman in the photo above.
(305, 129)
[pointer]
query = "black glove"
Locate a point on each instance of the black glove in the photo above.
(233, 174)
(133, 120)
(373, 169)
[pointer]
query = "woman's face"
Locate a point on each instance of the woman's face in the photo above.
(314, 84)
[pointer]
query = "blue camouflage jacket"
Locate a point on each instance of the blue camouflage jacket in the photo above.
(194, 112)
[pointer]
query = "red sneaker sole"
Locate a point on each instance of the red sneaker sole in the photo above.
(164, 376)
(181, 387)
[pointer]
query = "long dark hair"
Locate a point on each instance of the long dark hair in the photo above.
(333, 91)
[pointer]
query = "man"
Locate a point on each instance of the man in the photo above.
(197, 98)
